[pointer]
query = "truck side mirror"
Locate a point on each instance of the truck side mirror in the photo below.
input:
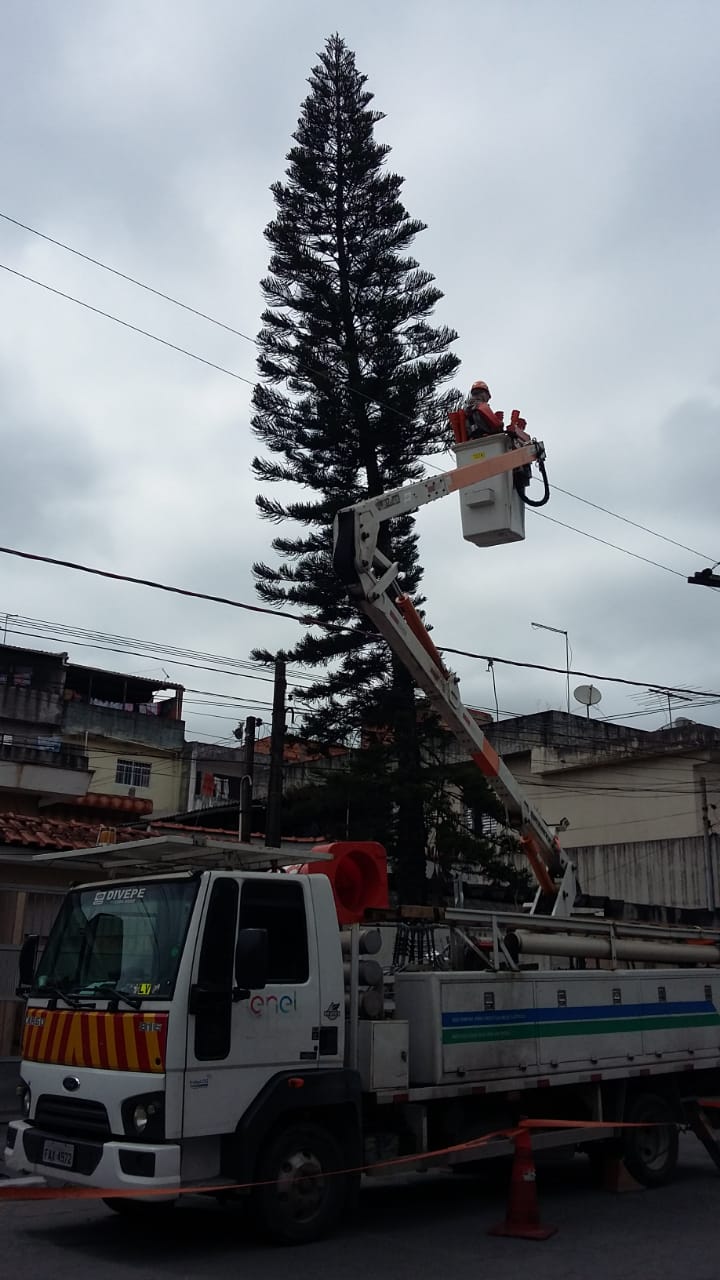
(251, 961)
(27, 961)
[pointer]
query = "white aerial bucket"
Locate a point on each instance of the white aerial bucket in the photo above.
(492, 511)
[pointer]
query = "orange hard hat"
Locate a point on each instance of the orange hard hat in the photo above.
(480, 386)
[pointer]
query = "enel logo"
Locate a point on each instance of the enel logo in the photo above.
(273, 1004)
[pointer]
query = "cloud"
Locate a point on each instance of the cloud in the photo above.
(563, 166)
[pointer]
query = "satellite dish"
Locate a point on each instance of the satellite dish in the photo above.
(587, 695)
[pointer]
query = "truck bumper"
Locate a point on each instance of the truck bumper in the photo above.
(110, 1166)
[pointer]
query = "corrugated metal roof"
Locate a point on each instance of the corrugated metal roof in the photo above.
(34, 653)
(124, 675)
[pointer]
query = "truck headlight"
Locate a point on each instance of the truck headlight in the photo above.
(143, 1117)
(140, 1118)
(25, 1099)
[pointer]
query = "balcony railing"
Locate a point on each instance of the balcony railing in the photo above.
(32, 706)
(123, 726)
(27, 751)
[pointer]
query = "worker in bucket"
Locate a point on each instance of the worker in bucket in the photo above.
(481, 419)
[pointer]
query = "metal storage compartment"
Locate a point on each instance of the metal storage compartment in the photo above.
(492, 511)
(383, 1054)
(484, 1026)
(463, 1025)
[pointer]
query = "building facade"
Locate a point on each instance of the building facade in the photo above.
(36, 764)
(75, 737)
(606, 783)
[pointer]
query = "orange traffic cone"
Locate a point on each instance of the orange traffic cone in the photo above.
(523, 1215)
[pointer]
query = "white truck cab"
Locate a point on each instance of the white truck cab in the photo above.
(175, 1024)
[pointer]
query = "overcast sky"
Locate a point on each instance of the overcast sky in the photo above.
(564, 157)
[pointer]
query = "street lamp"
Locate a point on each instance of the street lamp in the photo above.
(540, 626)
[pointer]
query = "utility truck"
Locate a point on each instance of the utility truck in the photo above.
(197, 1023)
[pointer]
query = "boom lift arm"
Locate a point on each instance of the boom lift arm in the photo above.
(371, 579)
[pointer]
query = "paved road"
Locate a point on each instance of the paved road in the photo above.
(418, 1228)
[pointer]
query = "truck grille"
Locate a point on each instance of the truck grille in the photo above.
(74, 1117)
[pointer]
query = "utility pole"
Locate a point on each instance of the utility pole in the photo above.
(707, 846)
(247, 781)
(273, 820)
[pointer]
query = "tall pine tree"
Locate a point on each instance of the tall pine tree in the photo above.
(350, 399)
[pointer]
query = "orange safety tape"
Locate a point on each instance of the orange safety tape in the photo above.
(589, 1124)
(100, 1193)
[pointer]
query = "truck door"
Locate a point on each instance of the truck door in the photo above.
(235, 1045)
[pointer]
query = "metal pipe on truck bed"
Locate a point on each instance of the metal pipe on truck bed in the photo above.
(370, 941)
(370, 973)
(530, 943)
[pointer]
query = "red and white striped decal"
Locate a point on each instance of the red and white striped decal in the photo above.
(85, 1038)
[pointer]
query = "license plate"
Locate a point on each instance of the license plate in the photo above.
(58, 1153)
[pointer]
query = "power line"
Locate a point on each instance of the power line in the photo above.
(184, 306)
(238, 333)
(111, 642)
(164, 342)
(156, 586)
(604, 541)
(627, 822)
(195, 666)
(626, 520)
(226, 701)
(173, 346)
(309, 621)
(122, 275)
(588, 675)
(614, 545)
(144, 752)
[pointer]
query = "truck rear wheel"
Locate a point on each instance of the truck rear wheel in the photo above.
(651, 1154)
(304, 1193)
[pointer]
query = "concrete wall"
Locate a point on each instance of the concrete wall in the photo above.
(665, 872)
(166, 775)
(20, 707)
(653, 799)
(123, 726)
(220, 762)
(42, 779)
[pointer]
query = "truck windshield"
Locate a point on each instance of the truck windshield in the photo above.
(127, 938)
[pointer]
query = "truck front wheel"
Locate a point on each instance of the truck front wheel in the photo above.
(303, 1191)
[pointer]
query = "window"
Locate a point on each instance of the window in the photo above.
(216, 786)
(133, 773)
(213, 1025)
(130, 936)
(280, 908)
(482, 824)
